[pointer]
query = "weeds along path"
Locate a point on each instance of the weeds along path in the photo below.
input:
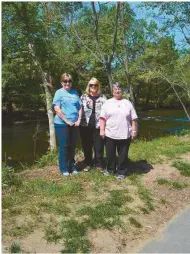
(44, 212)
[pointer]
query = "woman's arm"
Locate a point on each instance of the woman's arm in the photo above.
(77, 123)
(134, 131)
(102, 127)
(62, 116)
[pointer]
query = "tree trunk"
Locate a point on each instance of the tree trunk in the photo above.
(181, 103)
(172, 86)
(107, 66)
(52, 139)
(126, 61)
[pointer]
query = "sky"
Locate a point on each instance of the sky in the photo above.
(178, 36)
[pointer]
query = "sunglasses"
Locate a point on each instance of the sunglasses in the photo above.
(91, 85)
(67, 81)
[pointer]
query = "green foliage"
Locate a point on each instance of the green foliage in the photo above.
(49, 188)
(146, 195)
(183, 167)
(75, 235)
(172, 184)
(15, 248)
(9, 178)
(50, 158)
(52, 233)
(57, 207)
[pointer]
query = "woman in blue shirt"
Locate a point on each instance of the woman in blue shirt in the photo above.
(67, 106)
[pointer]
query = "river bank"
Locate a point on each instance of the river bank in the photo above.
(46, 212)
(20, 143)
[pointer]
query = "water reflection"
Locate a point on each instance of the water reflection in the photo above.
(19, 143)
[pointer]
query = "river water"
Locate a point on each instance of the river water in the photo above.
(20, 143)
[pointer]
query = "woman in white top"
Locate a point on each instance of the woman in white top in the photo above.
(118, 124)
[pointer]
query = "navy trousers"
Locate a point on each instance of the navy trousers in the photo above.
(67, 139)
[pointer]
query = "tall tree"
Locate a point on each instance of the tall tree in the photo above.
(26, 20)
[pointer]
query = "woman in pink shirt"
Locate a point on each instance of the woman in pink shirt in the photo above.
(118, 125)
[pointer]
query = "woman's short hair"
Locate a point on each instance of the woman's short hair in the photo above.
(66, 75)
(88, 86)
(116, 85)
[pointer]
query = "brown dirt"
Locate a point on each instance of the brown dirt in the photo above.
(128, 239)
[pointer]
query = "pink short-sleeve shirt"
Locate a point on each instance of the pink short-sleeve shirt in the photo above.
(118, 115)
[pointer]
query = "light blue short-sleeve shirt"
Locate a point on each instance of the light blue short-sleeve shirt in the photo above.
(69, 103)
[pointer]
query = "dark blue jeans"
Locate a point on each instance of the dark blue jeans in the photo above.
(67, 139)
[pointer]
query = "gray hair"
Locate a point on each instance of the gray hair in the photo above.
(116, 85)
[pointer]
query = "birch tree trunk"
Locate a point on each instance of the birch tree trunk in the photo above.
(126, 61)
(52, 139)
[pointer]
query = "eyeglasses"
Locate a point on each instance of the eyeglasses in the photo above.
(91, 85)
(67, 81)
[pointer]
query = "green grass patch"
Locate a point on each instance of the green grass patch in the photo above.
(135, 222)
(146, 195)
(152, 151)
(75, 236)
(9, 178)
(52, 234)
(15, 248)
(103, 215)
(55, 206)
(24, 229)
(183, 167)
(50, 158)
(172, 184)
(50, 188)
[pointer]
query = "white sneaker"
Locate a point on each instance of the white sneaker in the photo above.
(65, 173)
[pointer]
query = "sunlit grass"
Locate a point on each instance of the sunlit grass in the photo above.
(183, 167)
(152, 151)
(89, 200)
(172, 184)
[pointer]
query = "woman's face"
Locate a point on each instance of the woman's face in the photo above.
(67, 84)
(117, 93)
(93, 87)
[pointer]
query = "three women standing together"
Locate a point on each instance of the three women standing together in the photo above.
(112, 122)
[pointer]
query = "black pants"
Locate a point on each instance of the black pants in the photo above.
(90, 138)
(122, 146)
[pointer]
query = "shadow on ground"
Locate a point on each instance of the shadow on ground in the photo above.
(134, 167)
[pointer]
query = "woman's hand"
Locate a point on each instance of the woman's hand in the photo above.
(70, 123)
(77, 123)
(133, 134)
(102, 133)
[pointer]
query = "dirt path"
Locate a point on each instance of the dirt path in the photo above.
(118, 240)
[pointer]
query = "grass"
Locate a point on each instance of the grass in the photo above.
(57, 207)
(50, 158)
(172, 184)
(15, 248)
(144, 193)
(153, 151)
(52, 234)
(50, 188)
(9, 178)
(75, 235)
(135, 222)
(85, 202)
(183, 167)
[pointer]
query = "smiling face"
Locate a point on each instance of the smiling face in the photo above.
(67, 84)
(93, 87)
(117, 92)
